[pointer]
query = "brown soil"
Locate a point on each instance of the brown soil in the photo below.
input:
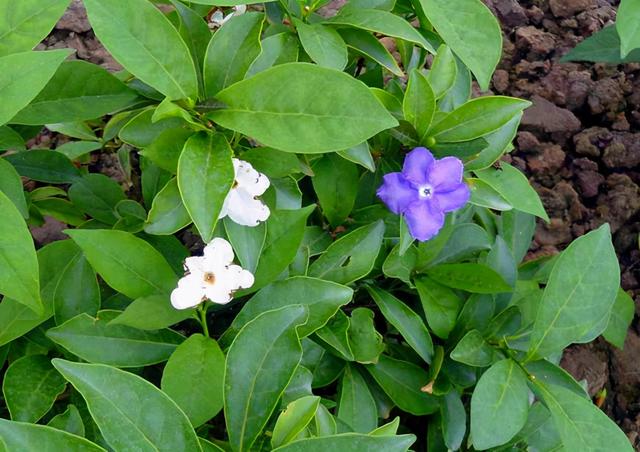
(580, 144)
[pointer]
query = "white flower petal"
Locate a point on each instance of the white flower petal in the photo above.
(240, 278)
(188, 294)
(247, 178)
(195, 264)
(245, 210)
(240, 9)
(218, 253)
(219, 293)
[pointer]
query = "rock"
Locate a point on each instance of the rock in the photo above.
(567, 8)
(623, 152)
(50, 231)
(501, 80)
(590, 141)
(74, 19)
(626, 372)
(557, 232)
(620, 203)
(607, 95)
(510, 13)
(589, 183)
(549, 118)
(528, 142)
(537, 41)
(586, 362)
(546, 165)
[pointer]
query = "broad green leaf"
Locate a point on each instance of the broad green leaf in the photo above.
(205, 176)
(443, 72)
(231, 51)
(622, 314)
(361, 155)
(294, 419)
(11, 186)
(498, 144)
(97, 195)
(18, 260)
(77, 290)
(165, 150)
(155, 53)
(96, 340)
(10, 139)
(499, 405)
(168, 213)
(260, 364)
(335, 336)
(351, 442)
(364, 340)
(70, 420)
(323, 45)
(454, 420)
(515, 188)
(382, 22)
(78, 130)
(406, 321)
(483, 195)
(78, 91)
(460, 91)
(402, 382)
(23, 436)
(517, 229)
(197, 363)
(285, 230)
(581, 425)
(30, 387)
(473, 350)
(195, 32)
(465, 241)
(477, 118)
(131, 412)
(44, 166)
(440, 305)
(356, 405)
(389, 429)
(552, 374)
(368, 45)
(580, 292)
(276, 49)
(336, 183)
(128, 264)
(76, 149)
(152, 312)
(400, 267)
(61, 210)
(601, 47)
(247, 242)
(140, 131)
(322, 298)
(472, 32)
(475, 278)
(24, 24)
(628, 26)
(351, 257)
(279, 107)
(23, 77)
(419, 104)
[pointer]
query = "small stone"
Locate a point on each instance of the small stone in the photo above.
(550, 118)
(74, 19)
(501, 80)
(567, 8)
(535, 40)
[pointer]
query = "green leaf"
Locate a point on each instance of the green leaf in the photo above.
(30, 387)
(279, 108)
(580, 292)
(400, 267)
(23, 77)
(76, 149)
(351, 257)
(78, 130)
(44, 166)
(165, 150)
(514, 187)
(140, 131)
(77, 290)
(197, 363)
(97, 195)
(498, 144)
(622, 314)
(23, 436)
(323, 45)
(258, 371)
(473, 350)
(155, 53)
(361, 155)
(601, 47)
(402, 382)
(499, 405)
(247, 242)
(335, 336)
(582, 426)
(368, 45)
(96, 340)
(483, 195)
(440, 304)
(406, 321)
(231, 51)
(168, 213)
(152, 312)
(419, 104)
(276, 49)
(27, 23)
(294, 419)
(628, 27)
(443, 72)
(366, 343)
(11, 186)
(128, 264)
(472, 32)
(10, 139)
(477, 118)
(285, 230)
(382, 22)
(460, 91)
(322, 298)
(78, 91)
(454, 420)
(18, 260)
(130, 411)
(356, 405)
(351, 442)
(475, 278)
(205, 176)
(336, 183)
(70, 420)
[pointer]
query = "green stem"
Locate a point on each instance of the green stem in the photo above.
(203, 319)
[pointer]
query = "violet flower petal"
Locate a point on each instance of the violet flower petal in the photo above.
(445, 174)
(424, 219)
(397, 193)
(454, 199)
(417, 165)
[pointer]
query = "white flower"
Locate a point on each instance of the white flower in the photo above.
(242, 204)
(218, 19)
(211, 276)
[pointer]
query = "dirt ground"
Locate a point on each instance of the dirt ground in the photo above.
(579, 143)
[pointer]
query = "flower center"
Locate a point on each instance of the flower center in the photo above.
(209, 278)
(426, 191)
(235, 184)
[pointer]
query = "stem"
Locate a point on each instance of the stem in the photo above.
(203, 319)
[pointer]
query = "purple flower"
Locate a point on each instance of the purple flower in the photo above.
(424, 191)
